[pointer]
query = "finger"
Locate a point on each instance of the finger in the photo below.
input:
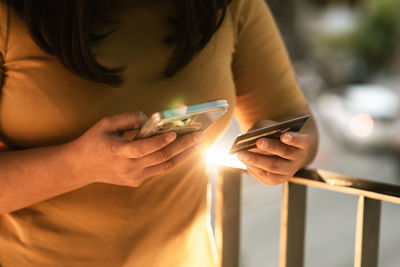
(299, 140)
(124, 121)
(266, 177)
(256, 150)
(269, 146)
(169, 164)
(142, 147)
(272, 164)
(181, 144)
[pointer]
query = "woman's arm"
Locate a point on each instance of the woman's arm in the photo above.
(30, 176)
(101, 154)
(267, 92)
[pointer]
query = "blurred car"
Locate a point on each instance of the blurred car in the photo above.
(362, 116)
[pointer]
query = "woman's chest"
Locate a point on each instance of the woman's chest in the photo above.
(42, 103)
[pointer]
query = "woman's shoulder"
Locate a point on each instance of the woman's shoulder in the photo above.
(244, 8)
(253, 15)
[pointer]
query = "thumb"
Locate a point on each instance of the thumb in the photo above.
(261, 124)
(124, 121)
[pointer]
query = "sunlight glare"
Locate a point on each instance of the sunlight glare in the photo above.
(217, 156)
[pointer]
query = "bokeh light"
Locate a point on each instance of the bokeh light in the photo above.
(362, 125)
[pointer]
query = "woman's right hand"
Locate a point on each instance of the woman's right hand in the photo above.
(102, 154)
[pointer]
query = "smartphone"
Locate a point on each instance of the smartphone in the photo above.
(248, 140)
(183, 120)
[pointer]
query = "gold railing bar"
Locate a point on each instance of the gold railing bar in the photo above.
(293, 218)
(349, 185)
(294, 210)
(367, 232)
(227, 230)
(344, 184)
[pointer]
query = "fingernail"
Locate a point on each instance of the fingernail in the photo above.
(288, 138)
(198, 137)
(170, 137)
(264, 144)
(243, 156)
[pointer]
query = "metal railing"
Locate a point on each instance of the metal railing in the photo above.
(370, 196)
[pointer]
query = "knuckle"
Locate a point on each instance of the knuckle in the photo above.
(270, 182)
(163, 155)
(277, 180)
(285, 179)
(271, 146)
(275, 164)
(251, 159)
(136, 151)
(282, 180)
(137, 182)
(105, 122)
(189, 140)
(160, 141)
(114, 148)
(139, 117)
(287, 151)
(253, 172)
(138, 114)
(288, 169)
(169, 164)
(124, 170)
(262, 173)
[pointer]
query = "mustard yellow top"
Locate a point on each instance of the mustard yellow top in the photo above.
(163, 222)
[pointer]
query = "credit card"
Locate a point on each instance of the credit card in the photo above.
(248, 140)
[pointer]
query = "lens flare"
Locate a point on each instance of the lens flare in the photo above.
(362, 125)
(217, 156)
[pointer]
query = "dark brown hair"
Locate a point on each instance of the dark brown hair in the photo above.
(64, 28)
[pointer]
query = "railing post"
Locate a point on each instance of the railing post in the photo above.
(293, 218)
(228, 216)
(367, 232)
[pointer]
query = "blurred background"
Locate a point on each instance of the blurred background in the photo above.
(346, 54)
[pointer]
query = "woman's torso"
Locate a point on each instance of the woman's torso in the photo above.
(161, 223)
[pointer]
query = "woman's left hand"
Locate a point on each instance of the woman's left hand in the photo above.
(275, 161)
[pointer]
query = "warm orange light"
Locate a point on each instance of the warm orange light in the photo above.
(217, 156)
(362, 125)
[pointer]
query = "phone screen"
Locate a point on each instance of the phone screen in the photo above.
(183, 120)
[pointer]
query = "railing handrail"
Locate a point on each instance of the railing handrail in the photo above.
(347, 184)
(370, 195)
(344, 184)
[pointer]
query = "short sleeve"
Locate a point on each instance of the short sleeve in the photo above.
(265, 83)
